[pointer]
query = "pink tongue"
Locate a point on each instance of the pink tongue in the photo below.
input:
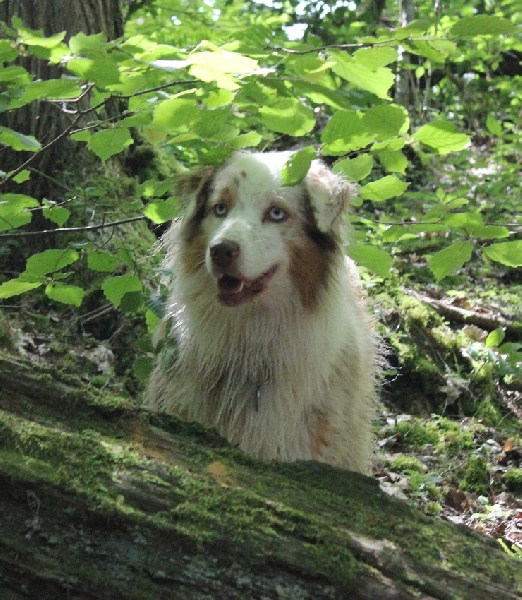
(232, 285)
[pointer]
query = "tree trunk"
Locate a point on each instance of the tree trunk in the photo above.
(46, 120)
(101, 499)
(403, 83)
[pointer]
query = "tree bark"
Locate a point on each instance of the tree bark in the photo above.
(43, 120)
(101, 499)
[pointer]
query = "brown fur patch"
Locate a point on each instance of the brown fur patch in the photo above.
(192, 254)
(201, 186)
(320, 432)
(310, 268)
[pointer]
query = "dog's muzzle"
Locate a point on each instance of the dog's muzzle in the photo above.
(233, 287)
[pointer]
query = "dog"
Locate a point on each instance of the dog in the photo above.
(274, 347)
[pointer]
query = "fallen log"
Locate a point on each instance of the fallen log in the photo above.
(102, 499)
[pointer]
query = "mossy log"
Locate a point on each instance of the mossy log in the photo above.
(102, 499)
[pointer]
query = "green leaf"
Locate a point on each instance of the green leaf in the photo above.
(383, 189)
(101, 71)
(377, 82)
(15, 287)
(450, 259)
(176, 114)
(296, 168)
(161, 211)
(355, 168)
(437, 51)
(386, 121)
(36, 38)
(19, 141)
(115, 288)
(482, 25)
(93, 46)
(441, 136)
(375, 259)
(345, 132)
(393, 161)
(493, 126)
(495, 338)
(56, 214)
(375, 58)
(246, 140)
(23, 176)
(7, 51)
(66, 294)
(109, 142)
(506, 253)
(143, 368)
(14, 210)
(49, 261)
(101, 261)
(223, 61)
(288, 116)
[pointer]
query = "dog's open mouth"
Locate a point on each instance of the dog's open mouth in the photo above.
(235, 290)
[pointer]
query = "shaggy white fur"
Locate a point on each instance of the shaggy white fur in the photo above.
(274, 345)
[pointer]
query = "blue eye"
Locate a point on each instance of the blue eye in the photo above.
(220, 210)
(277, 214)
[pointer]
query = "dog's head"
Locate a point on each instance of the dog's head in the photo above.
(256, 239)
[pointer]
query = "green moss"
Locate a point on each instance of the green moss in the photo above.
(513, 479)
(405, 463)
(416, 434)
(416, 311)
(488, 413)
(433, 509)
(474, 476)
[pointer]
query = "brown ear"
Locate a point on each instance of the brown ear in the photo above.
(329, 194)
(193, 186)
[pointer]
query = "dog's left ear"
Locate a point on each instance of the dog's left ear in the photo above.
(329, 193)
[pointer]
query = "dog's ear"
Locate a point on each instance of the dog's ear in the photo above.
(329, 195)
(192, 187)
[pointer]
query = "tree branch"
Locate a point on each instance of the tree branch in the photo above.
(23, 234)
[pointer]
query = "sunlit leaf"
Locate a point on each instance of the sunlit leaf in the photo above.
(50, 261)
(377, 82)
(506, 253)
(108, 142)
(18, 141)
(377, 57)
(386, 121)
(442, 136)
(115, 288)
(375, 259)
(66, 294)
(288, 116)
(161, 211)
(101, 261)
(14, 210)
(383, 189)
(355, 168)
(15, 287)
(495, 338)
(482, 25)
(450, 259)
(297, 166)
(345, 132)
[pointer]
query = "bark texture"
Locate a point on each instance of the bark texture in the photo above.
(101, 499)
(45, 121)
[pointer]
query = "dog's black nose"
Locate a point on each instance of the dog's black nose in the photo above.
(223, 253)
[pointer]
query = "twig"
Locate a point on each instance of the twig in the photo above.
(65, 132)
(462, 315)
(22, 234)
